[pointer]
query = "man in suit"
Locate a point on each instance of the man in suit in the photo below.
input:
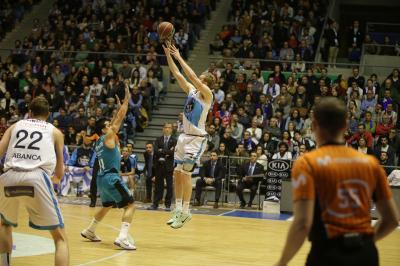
(163, 160)
(212, 173)
(148, 170)
(246, 179)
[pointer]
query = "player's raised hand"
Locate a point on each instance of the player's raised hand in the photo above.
(174, 51)
(118, 101)
(127, 92)
(166, 46)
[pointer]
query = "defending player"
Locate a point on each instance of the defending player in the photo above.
(111, 187)
(333, 187)
(192, 142)
(34, 151)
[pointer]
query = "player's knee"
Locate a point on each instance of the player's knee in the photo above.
(58, 235)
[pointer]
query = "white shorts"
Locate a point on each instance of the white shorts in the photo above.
(34, 190)
(189, 148)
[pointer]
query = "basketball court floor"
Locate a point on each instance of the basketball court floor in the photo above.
(222, 237)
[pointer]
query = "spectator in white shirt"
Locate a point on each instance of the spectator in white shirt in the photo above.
(255, 132)
(142, 70)
(212, 68)
(286, 53)
(219, 94)
(7, 101)
(271, 88)
(283, 152)
(181, 40)
(96, 88)
(355, 87)
(394, 178)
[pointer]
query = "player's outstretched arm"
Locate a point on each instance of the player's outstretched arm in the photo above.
(116, 121)
(204, 89)
(5, 140)
(59, 148)
(118, 105)
(175, 71)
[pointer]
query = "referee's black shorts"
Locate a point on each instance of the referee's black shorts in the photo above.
(359, 251)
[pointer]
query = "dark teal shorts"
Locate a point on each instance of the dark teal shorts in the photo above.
(113, 190)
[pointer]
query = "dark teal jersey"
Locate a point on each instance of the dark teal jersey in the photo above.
(109, 159)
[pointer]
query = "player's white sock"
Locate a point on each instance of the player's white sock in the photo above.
(4, 259)
(185, 208)
(178, 204)
(93, 225)
(124, 230)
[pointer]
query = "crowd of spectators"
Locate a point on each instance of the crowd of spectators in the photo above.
(273, 30)
(273, 117)
(81, 94)
(269, 117)
(389, 46)
(355, 39)
(78, 60)
(12, 12)
(75, 28)
(334, 42)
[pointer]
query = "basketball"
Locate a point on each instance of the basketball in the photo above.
(166, 31)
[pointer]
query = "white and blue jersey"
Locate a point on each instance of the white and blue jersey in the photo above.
(195, 114)
(192, 143)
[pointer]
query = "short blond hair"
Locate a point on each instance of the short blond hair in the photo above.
(210, 79)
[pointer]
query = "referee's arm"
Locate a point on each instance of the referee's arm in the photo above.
(385, 204)
(389, 218)
(303, 217)
(303, 210)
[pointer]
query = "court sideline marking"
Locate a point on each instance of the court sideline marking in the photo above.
(224, 213)
(105, 225)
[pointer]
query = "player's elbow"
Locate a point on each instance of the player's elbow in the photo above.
(389, 213)
(115, 128)
(391, 222)
(394, 223)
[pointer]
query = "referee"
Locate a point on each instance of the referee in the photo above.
(333, 187)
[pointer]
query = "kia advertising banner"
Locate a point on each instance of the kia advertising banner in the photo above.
(277, 169)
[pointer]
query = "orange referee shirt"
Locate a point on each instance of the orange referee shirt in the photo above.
(342, 181)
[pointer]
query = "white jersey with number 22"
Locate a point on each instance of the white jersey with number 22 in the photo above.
(31, 146)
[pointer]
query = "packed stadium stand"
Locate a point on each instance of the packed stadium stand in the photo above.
(81, 55)
(12, 12)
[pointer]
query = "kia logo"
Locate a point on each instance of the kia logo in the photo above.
(278, 165)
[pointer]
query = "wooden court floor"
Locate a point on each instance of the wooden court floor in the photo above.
(206, 240)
